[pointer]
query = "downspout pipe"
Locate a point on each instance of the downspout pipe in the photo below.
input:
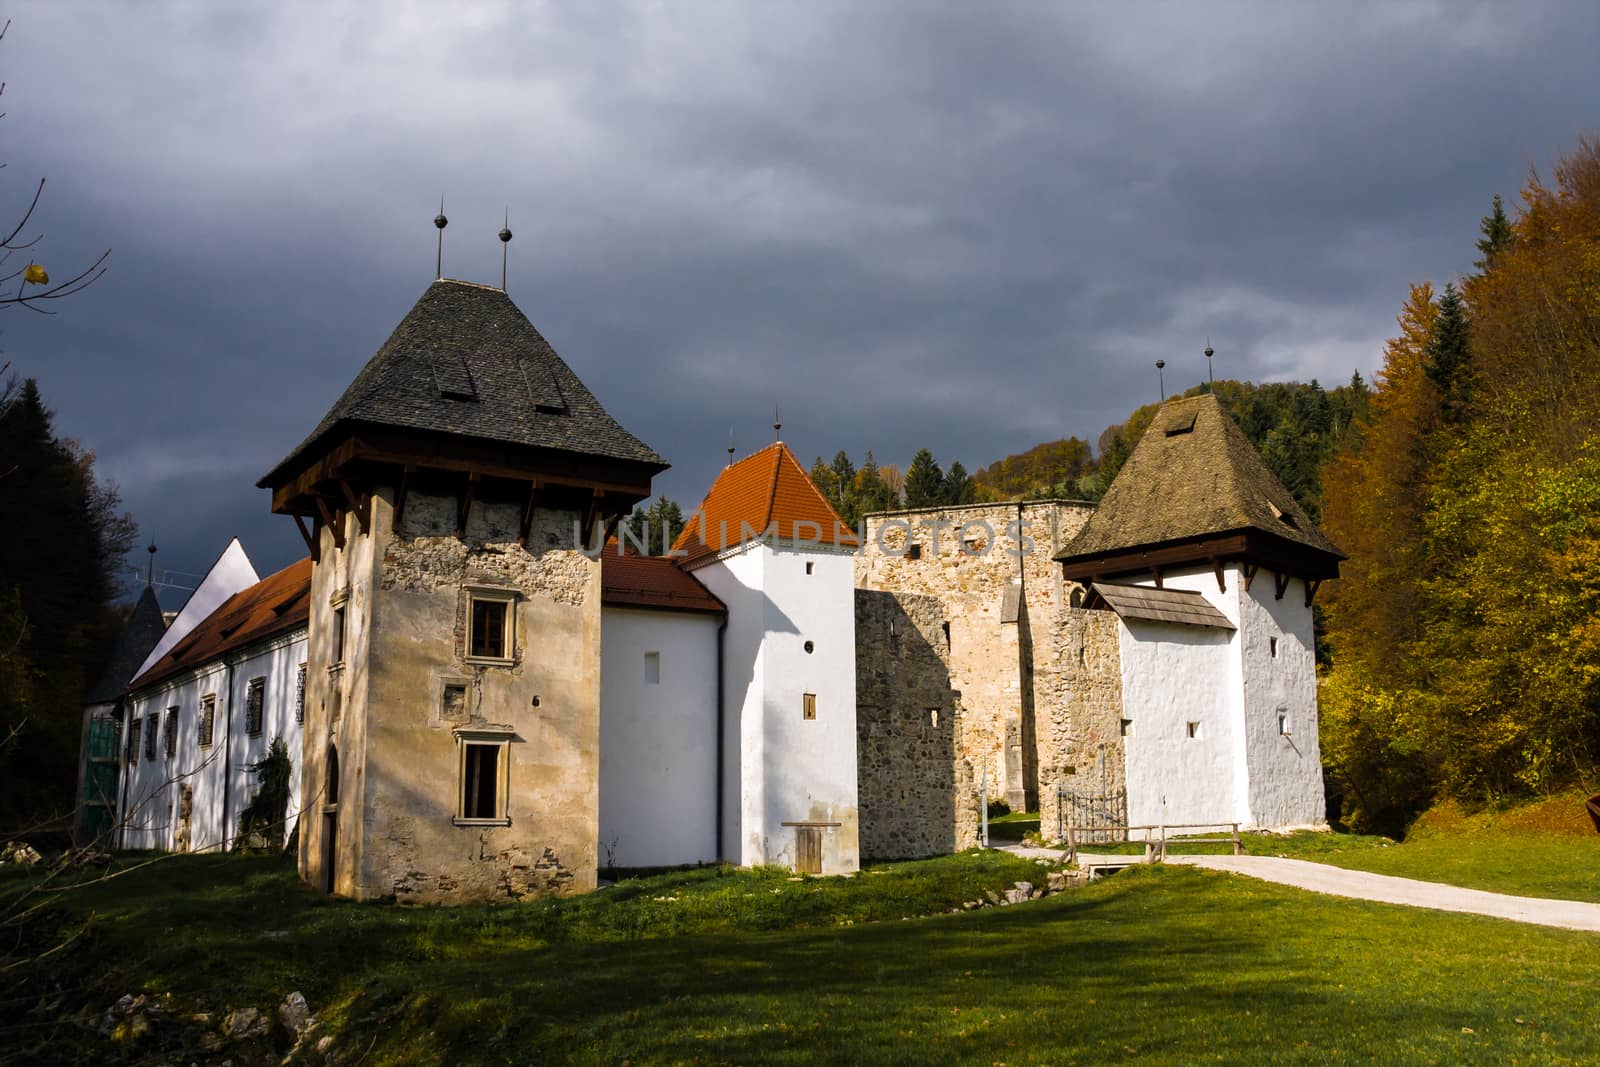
(716, 833)
(227, 761)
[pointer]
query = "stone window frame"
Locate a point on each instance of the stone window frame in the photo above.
(255, 705)
(135, 733)
(442, 682)
(808, 707)
(206, 721)
(499, 737)
(300, 695)
(501, 594)
(339, 603)
(150, 738)
(169, 731)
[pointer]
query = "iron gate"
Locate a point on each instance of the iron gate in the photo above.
(1098, 818)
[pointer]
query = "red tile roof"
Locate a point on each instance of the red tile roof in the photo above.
(635, 581)
(277, 603)
(767, 490)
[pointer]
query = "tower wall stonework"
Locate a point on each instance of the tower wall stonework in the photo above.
(397, 738)
(917, 794)
(1081, 748)
(992, 570)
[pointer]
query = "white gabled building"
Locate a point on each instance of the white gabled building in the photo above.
(206, 706)
(770, 547)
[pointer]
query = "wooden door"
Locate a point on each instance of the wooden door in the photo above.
(808, 849)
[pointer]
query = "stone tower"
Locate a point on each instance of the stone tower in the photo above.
(453, 668)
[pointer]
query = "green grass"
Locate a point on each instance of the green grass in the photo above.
(1013, 826)
(1166, 966)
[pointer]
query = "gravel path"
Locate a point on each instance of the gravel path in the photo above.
(1362, 885)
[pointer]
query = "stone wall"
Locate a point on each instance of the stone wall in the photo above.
(991, 567)
(1080, 747)
(916, 792)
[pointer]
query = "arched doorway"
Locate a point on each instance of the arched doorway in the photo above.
(330, 820)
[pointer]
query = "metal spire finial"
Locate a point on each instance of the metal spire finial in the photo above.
(150, 568)
(441, 222)
(505, 245)
(730, 446)
(1210, 377)
(1162, 378)
(777, 424)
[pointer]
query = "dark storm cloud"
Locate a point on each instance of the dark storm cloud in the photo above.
(971, 227)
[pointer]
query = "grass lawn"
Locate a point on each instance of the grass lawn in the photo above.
(1167, 966)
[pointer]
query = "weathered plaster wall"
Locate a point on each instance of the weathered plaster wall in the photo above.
(916, 793)
(1284, 768)
(658, 752)
(548, 698)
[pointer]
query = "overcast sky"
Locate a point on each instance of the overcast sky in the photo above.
(971, 227)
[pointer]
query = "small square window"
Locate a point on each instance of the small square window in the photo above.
(1272, 646)
(481, 797)
(1194, 729)
(913, 552)
(1283, 723)
(808, 706)
(254, 706)
(208, 720)
(489, 622)
(453, 703)
(652, 668)
(809, 566)
(1127, 727)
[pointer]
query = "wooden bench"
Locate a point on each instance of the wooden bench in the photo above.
(1155, 848)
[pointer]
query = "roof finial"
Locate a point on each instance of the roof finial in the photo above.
(441, 222)
(150, 568)
(1211, 378)
(730, 446)
(505, 246)
(777, 425)
(1162, 378)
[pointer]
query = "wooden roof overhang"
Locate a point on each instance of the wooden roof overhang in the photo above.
(1251, 547)
(338, 477)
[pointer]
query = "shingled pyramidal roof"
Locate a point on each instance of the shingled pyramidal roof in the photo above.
(766, 490)
(466, 361)
(1195, 478)
(139, 635)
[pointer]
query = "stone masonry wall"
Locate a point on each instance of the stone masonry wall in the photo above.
(916, 792)
(1081, 741)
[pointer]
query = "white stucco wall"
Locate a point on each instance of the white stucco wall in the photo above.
(789, 769)
(658, 750)
(1239, 768)
(1285, 769)
(219, 775)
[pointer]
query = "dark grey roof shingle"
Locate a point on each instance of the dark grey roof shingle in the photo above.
(139, 635)
(1181, 606)
(1192, 474)
(462, 340)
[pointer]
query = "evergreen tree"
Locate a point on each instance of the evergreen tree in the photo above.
(958, 486)
(1497, 234)
(65, 539)
(1448, 357)
(661, 523)
(924, 486)
(871, 492)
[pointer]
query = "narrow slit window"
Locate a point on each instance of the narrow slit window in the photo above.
(652, 668)
(135, 727)
(1272, 646)
(337, 655)
(809, 566)
(1283, 723)
(1194, 729)
(300, 695)
(169, 732)
(150, 735)
(808, 706)
(1127, 728)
